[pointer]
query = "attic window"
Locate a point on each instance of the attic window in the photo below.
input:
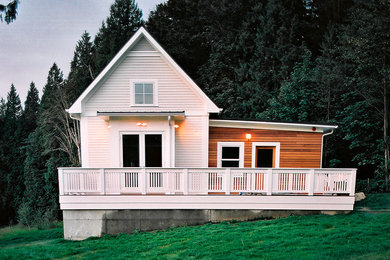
(144, 93)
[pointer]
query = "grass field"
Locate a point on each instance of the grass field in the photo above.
(359, 235)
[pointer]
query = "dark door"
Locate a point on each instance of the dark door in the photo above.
(153, 150)
(265, 157)
(130, 150)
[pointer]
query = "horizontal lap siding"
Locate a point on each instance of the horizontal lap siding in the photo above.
(143, 45)
(297, 149)
(189, 142)
(173, 92)
(98, 143)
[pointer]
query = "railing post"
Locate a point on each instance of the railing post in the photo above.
(102, 181)
(228, 178)
(311, 182)
(61, 181)
(353, 183)
(169, 182)
(269, 182)
(143, 181)
(186, 181)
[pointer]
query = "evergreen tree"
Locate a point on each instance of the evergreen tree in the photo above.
(124, 20)
(3, 172)
(180, 26)
(270, 45)
(44, 148)
(82, 68)
(12, 174)
(30, 113)
(298, 96)
(365, 48)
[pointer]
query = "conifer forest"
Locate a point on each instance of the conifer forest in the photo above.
(317, 61)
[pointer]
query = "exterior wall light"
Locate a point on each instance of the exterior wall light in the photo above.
(109, 126)
(176, 126)
(141, 124)
(248, 137)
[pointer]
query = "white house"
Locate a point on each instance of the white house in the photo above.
(145, 130)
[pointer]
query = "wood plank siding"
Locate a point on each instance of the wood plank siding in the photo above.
(297, 149)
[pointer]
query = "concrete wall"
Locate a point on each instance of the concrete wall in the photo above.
(81, 224)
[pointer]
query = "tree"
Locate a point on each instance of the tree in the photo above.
(82, 68)
(30, 113)
(298, 96)
(270, 45)
(11, 156)
(124, 20)
(365, 45)
(10, 11)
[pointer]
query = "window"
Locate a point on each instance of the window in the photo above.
(230, 154)
(144, 93)
(265, 154)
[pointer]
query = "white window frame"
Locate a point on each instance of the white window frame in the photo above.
(144, 81)
(240, 145)
(271, 144)
(141, 145)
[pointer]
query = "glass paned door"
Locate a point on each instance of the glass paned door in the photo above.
(142, 150)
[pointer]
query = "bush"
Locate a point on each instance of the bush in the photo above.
(25, 215)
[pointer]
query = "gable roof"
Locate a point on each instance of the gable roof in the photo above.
(76, 108)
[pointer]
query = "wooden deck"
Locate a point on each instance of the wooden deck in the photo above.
(207, 188)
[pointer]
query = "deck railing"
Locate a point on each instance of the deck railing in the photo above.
(203, 181)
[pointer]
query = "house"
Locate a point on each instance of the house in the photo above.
(152, 157)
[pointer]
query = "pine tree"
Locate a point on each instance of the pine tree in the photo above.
(365, 48)
(82, 68)
(124, 20)
(44, 148)
(298, 96)
(4, 218)
(30, 113)
(270, 45)
(11, 156)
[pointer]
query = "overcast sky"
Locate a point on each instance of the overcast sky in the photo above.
(44, 32)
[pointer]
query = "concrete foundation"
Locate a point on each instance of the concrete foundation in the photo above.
(81, 224)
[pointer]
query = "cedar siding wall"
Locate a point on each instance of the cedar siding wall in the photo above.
(297, 149)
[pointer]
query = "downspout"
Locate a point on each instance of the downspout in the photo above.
(322, 145)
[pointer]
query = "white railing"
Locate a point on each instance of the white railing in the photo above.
(203, 181)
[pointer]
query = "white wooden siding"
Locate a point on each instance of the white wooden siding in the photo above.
(174, 93)
(189, 142)
(98, 147)
(143, 45)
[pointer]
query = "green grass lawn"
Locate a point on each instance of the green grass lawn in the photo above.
(359, 235)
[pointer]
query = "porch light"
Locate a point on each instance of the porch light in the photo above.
(248, 136)
(139, 124)
(176, 126)
(109, 126)
(142, 124)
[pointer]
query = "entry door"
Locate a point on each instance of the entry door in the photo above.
(265, 156)
(142, 150)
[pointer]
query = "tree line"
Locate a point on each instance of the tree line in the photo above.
(286, 60)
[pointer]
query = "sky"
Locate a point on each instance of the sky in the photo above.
(44, 32)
